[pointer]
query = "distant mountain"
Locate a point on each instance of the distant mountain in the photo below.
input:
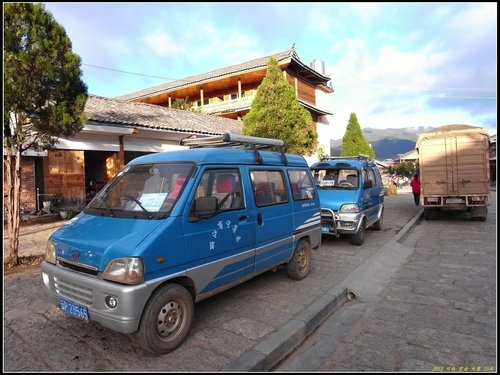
(387, 143)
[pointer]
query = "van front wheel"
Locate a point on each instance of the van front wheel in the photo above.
(378, 224)
(166, 319)
(359, 238)
(300, 264)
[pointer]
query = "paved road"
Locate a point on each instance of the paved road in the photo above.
(437, 312)
(248, 328)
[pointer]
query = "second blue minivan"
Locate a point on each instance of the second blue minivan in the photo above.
(351, 195)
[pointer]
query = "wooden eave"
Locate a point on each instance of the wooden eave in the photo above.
(316, 110)
(221, 79)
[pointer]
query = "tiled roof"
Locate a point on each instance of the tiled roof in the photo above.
(246, 66)
(142, 115)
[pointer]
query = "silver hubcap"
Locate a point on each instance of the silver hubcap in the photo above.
(170, 319)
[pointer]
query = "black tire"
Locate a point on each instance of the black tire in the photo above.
(359, 238)
(429, 214)
(166, 319)
(479, 214)
(378, 224)
(478, 218)
(300, 264)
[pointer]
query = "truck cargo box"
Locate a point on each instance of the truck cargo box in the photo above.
(454, 170)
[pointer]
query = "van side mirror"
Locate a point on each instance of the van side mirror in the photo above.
(204, 207)
(367, 184)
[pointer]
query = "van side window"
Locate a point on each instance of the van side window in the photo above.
(301, 184)
(268, 187)
(225, 185)
(368, 175)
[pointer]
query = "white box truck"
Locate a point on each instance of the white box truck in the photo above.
(454, 170)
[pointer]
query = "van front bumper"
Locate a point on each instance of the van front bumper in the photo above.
(340, 223)
(91, 292)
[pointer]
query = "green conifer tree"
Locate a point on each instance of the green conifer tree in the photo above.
(354, 141)
(277, 113)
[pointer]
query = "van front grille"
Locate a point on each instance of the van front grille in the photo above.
(73, 291)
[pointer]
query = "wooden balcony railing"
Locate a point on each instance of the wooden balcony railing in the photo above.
(228, 106)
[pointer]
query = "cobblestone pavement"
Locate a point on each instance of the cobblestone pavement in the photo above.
(247, 328)
(437, 313)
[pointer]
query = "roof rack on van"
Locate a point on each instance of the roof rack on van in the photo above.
(357, 157)
(237, 141)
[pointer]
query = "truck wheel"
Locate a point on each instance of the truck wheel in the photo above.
(429, 214)
(479, 214)
(378, 224)
(359, 238)
(166, 319)
(300, 264)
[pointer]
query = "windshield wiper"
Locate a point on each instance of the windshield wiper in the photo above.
(138, 203)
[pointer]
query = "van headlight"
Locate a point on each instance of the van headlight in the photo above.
(125, 271)
(350, 207)
(50, 252)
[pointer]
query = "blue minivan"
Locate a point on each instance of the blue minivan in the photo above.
(173, 228)
(351, 194)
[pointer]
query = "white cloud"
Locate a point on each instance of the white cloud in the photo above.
(163, 45)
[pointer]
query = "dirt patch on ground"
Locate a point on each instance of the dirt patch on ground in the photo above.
(32, 261)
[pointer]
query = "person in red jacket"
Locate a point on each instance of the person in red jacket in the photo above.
(415, 188)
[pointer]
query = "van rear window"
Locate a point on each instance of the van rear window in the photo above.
(268, 187)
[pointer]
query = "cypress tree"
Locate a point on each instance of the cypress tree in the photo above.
(354, 141)
(277, 113)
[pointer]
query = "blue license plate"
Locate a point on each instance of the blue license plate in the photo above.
(325, 229)
(74, 309)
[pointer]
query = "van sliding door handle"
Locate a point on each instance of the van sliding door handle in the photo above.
(242, 217)
(259, 219)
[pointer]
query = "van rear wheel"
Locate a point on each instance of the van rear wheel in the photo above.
(166, 319)
(300, 264)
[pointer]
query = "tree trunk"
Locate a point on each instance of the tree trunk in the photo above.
(13, 175)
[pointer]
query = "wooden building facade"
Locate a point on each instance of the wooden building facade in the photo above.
(229, 92)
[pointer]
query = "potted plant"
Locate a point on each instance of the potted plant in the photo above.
(73, 211)
(63, 214)
(56, 199)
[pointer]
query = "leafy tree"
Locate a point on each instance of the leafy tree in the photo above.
(185, 104)
(405, 168)
(44, 97)
(277, 113)
(354, 141)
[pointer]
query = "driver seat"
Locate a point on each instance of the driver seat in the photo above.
(179, 183)
(352, 179)
(226, 191)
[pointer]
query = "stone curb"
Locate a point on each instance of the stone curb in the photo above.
(268, 353)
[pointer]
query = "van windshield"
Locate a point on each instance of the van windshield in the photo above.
(336, 178)
(143, 191)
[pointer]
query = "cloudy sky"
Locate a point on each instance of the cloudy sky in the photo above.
(393, 64)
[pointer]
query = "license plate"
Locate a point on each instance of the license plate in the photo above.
(325, 229)
(74, 309)
(454, 200)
